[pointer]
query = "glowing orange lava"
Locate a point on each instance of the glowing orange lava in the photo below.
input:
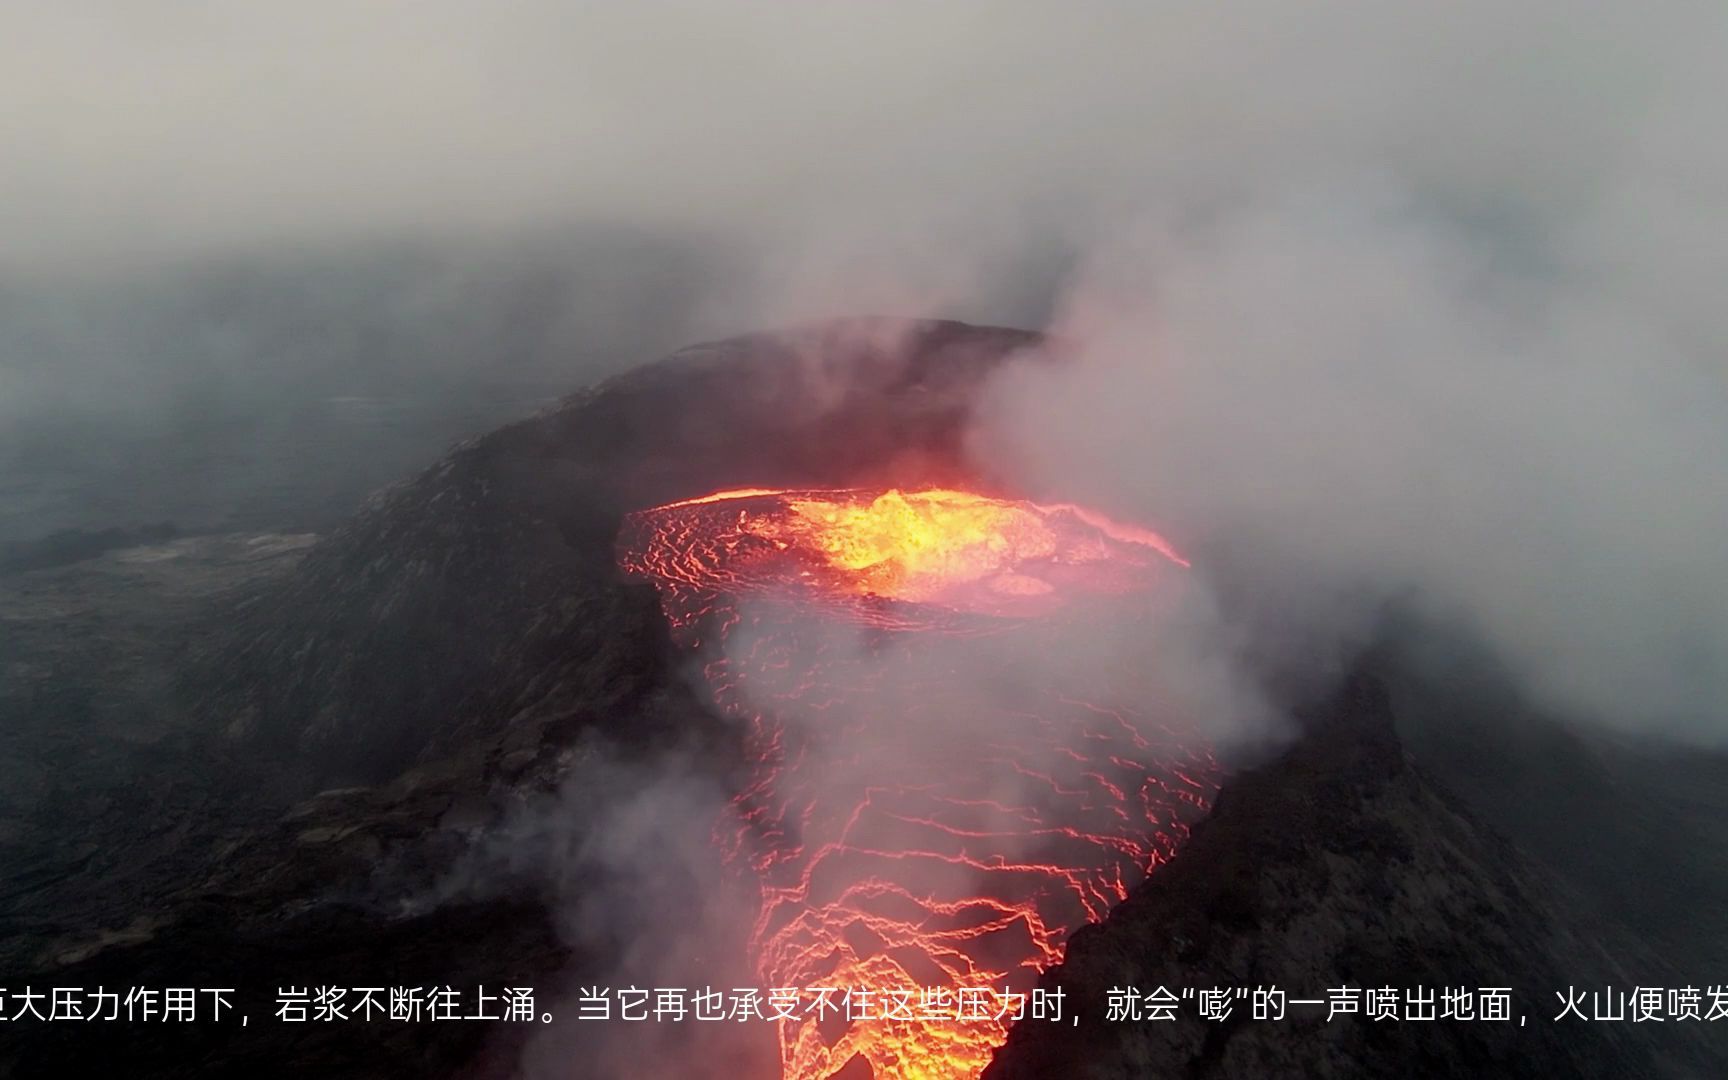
(932, 806)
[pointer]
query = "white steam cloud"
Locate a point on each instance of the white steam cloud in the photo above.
(1353, 399)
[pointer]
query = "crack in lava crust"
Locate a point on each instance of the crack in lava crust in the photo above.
(925, 812)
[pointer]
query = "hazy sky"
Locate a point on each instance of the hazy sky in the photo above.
(909, 156)
(136, 130)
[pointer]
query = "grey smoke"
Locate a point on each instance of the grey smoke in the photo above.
(1351, 397)
(624, 851)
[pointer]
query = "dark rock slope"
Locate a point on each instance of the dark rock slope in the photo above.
(1336, 866)
(482, 594)
(345, 728)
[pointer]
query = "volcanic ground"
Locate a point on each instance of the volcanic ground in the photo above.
(702, 555)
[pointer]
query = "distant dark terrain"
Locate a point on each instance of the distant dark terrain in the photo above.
(300, 464)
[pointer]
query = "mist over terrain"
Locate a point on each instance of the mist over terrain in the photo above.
(1412, 301)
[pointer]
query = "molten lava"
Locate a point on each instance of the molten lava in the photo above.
(933, 802)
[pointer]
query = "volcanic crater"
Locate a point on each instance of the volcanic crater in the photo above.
(793, 518)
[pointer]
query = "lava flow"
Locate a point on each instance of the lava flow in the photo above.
(945, 777)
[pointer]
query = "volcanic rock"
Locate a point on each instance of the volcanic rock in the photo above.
(1338, 866)
(483, 594)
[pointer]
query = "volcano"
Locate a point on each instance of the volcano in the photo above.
(769, 553)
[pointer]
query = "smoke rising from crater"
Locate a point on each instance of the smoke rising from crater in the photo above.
(1353, 402)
